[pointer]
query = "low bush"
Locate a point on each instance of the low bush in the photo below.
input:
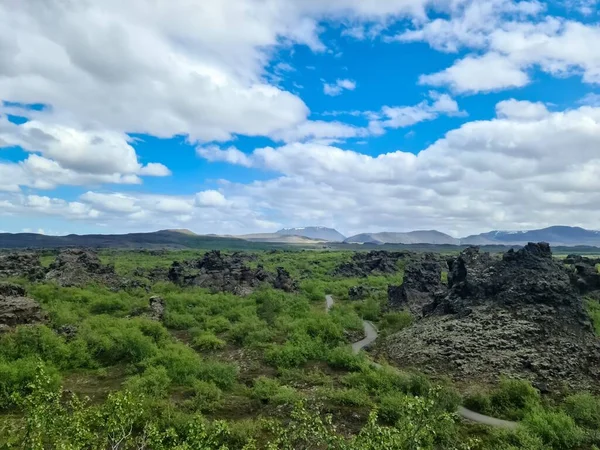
(344, 358)
(269, 390)
(153, 382)
(222, 374)
(555, 428)
(396, 321)
(391, 406)
(208, 341)
(347, 397)
(584, 408)
(513, 398)
(16, 377)
(207, 396)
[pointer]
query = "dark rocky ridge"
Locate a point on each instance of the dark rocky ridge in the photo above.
(18, 265)
(80, 267)
(519, 316)
(422, 282)
(377, 262)
(228, 273)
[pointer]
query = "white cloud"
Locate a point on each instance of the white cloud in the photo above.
(334, 89)
(516, 170)
(509, 40)
(404, 116)
(479, 74)
(231, 155)
(210, 198)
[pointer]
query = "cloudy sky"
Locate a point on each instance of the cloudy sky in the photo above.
(238, 116)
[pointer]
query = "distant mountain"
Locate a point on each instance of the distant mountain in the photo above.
(556, 235)
(411, 237)
(321, 233)
(157, 240)
(279, 238)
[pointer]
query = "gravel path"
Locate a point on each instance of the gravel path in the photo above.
(371, 336)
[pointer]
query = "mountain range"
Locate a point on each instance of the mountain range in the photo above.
(563, 236)
(555, 235)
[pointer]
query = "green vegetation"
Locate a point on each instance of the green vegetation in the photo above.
(593, 307)
(229, 372)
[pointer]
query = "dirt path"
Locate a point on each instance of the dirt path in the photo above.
(371, 336)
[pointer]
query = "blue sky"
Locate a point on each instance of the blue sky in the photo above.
(244, 116)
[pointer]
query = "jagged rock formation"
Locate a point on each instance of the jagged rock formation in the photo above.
(79, 267)
(156, 306)
(584, 274)
(377, 262)
(421, 284)
(227, 273)
(518, 316)
(16, 308)
(284, 281)
(21, 265)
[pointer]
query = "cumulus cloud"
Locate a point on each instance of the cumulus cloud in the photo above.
(336, 88)
(405, 116)
(508, 39)
(513, 170)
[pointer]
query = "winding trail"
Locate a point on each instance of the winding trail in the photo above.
(371, 336)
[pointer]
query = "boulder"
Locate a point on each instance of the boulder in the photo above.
(284, 281)
(18, 265)
(16, 308)
(156, 305)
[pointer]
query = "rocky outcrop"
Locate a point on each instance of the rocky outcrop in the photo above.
(375, 262)
(227, 273)
(16, 308)
(80, 267)
(518, 315)
(284, 281)
(422, 282)
(16, 265)
(584, 273)
(156, 306)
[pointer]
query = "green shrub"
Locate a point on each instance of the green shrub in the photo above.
(303, 378)
(207, 396)
(218, 324)
(179, 321)
(269, 390)
(181, 362)
(370, 309)
(17, 376)
(513, 398)
(480, 402)
(154, 382)
(113, 340)
(555, 428)
(584, 408)
(222, 374)
(396, 321)
(344, 358)
(391, 406)
(348, 397)
(208, 341)
(32, 341)
(108, 305)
